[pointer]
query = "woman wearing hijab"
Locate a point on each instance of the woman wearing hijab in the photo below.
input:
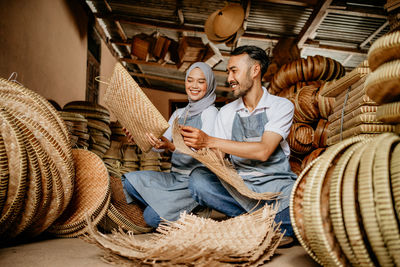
(166, 195)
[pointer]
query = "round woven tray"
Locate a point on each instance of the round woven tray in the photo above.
(18, 171)
(351, 212)
(335, 202)
(89, 197)
(367, 202)
(300, 138)
(318, 224)
(386, 48)
(385, 210)
(389, 113)
(383, 85)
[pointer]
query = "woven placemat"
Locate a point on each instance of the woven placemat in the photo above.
(366, 118)
(89, 197)
(336, 117)
(361, 129)
(383, 85)
(351, 212)
(389, 113)
(133, 109)
(334, 88)
(384, 49)
(384, 208)
(367, 202)
(336, 203)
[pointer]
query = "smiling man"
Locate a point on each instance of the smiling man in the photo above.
(252, 130)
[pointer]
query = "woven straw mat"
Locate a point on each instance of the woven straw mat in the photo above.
(133, 109)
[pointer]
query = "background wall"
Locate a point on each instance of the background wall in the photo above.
(45, 42)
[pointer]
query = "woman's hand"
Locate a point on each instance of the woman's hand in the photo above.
(160, 143)
(128, 134)
(194, 137)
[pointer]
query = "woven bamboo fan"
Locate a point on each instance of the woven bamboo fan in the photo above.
(389, 113)
(386, 48)
(383, 85)
(89, 197)
(133, 109)
(301, 138)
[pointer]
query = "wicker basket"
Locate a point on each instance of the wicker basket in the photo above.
(301, 138)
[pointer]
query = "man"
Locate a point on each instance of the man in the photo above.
(252, 130)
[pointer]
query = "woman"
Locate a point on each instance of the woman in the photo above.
(166, 195)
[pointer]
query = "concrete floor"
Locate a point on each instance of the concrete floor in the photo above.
(76, 252)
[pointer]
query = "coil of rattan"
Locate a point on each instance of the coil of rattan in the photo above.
(389, 113)
(384, 49)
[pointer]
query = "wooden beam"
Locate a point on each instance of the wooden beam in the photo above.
(305, 3)
(313, 22)
(171, 80)
(359, 11)
(168, 66)
(316, 45)
(347, 59)
(372, 36)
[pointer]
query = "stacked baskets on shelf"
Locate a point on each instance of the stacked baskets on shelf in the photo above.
(77, 127)
(300, 81)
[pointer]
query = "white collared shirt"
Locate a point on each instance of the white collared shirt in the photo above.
(279, 112)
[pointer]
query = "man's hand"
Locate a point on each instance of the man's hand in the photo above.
(194, 137)
(162, 143)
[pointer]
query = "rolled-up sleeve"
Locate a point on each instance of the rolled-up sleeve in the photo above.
(280, 118)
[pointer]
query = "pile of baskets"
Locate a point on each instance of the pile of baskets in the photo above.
(300, 81)
(77, 127)
(98, 121)
(345, 205)
(37, 165)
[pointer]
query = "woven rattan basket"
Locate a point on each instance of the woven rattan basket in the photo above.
(301, 138)
(133, 109)
(386, 48)
(383, 85)
(306, 104)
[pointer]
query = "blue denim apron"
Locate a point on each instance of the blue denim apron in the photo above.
(273, 175)
(168, 193)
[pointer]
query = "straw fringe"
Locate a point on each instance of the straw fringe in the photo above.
(222, 168)
(246, 240)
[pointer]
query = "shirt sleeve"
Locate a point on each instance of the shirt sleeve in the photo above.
(208, 120)
(219, 129)
(280, 119)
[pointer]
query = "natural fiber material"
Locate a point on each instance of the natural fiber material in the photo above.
(361, 129)
(395, 178)
(385, 49)
(366, 118)
(133, 109)
(383, 85)
(92, 192)
(336, 117)
(222, 168)
(389, 113)
(246, 240)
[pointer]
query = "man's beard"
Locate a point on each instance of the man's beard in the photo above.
(244, 88)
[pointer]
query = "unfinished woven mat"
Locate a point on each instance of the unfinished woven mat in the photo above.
(222, 168)
(246, 240)
(133, 109)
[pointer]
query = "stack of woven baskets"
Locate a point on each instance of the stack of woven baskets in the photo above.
(98, 120)
(383, 85)
(150, 161)
(113, 159)
(300, 81)
(130, 159)
(165, 161)
(36, 163)
(345, 205)
(77, 127)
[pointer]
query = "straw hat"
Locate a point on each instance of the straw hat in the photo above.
(224, 23)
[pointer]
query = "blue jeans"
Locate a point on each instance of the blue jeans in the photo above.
(207, 190)
(149, 214)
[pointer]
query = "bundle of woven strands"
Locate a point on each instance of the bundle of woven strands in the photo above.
(36, 167)
(246, 240)
(345, 204)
